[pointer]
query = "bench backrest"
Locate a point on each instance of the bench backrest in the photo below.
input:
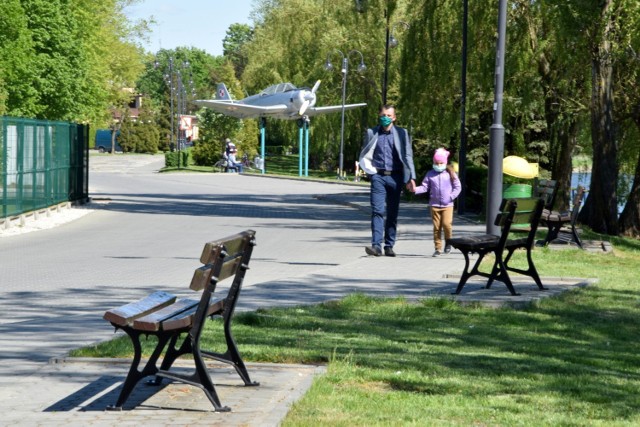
(577, 202)
(520, 211)
(224, 258)
(546, 189)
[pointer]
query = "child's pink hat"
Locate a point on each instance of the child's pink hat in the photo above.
(441, 156)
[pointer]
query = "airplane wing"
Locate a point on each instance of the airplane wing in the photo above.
(314, 111)
(241, 110)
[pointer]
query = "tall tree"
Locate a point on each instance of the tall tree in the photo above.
(59, 62)
(113, 60)
(234, 44)
(18, 97)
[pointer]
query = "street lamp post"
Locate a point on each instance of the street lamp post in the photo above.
(496, 137)
(177, 100)
(345, 68)
(390, 41)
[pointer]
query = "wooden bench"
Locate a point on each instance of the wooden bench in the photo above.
(547, 190)
(556, 221)
(177, 323)
(512, 211)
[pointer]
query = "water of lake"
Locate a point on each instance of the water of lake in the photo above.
(584, 179)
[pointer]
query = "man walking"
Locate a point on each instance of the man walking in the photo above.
(387, 156)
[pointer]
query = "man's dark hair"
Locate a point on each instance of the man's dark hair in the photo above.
(386, 107)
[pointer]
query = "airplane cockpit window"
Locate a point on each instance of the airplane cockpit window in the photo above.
(279, 88)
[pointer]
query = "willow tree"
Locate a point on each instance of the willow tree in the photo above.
(557, 56)
(431, 77)
(291, 42)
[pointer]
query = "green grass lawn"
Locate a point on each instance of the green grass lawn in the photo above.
(572, 360)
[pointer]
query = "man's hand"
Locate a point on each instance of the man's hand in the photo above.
(411, 186)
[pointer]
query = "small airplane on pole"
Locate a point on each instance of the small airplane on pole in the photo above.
(280, 101)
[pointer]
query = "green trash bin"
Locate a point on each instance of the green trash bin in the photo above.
(516, 191)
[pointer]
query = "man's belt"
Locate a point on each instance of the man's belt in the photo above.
(386, 173)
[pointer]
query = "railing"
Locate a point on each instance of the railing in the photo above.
(42, 163)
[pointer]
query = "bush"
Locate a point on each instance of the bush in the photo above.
(171, 158)
(206, 154)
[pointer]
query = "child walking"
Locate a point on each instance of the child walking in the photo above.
(443, 186)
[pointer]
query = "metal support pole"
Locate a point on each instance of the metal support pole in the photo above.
(345, 65)
(263, 124)
(496, 144)
(462, 158)
(306, 148)
(300, 147)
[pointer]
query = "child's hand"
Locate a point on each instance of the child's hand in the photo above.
(411, 186)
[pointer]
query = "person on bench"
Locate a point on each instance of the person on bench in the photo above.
(233, 162)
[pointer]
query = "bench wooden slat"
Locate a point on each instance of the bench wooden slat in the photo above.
(185, 319)
(125, 314)
(233, 246)
(152, 321)
(202, 275)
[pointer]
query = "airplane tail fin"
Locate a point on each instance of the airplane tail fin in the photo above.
(222, 94)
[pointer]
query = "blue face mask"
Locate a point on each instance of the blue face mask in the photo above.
(385, 121)
(439, 168)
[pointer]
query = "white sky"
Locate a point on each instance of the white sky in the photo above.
(191, 23)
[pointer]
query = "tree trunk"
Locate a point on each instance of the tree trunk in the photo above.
(563, 165)
(600, 211)
(629, 224)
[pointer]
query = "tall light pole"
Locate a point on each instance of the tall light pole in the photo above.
(462, 159)
(496, 136)
(390, 41)
(345, 69)
(177, 99)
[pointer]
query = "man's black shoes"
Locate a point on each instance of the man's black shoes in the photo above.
(373, 250)
(388, 251)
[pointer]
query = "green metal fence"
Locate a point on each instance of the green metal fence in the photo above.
(42, 163)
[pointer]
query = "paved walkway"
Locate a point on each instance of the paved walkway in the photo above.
(146, 234)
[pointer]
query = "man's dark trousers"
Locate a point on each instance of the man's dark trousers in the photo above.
(385, 190)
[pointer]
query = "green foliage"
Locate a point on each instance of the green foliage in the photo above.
(18, 97)
(175, 159)
(207, 154)
(234, 46)
(140, 136)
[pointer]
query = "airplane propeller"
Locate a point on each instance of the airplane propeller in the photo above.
(309, 98)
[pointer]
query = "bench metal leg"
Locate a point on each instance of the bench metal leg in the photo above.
(576, 238)
(171, 355)
(466, 273)
(552, 233)
(135, 375)
(501, 274)
(231, 356)
(200, 377)
(531, 270)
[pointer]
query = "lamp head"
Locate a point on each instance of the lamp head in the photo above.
(328, 65)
